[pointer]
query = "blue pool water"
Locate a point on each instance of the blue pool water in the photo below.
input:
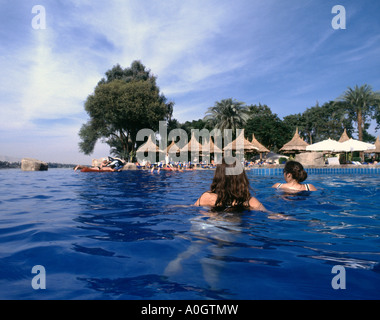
(136, 235)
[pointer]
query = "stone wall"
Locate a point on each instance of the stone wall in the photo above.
(310, 159)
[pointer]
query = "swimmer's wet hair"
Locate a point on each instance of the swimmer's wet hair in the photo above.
(231, 189)
(296, 170)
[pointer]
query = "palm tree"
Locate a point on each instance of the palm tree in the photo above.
(361, 103)
(227, 114)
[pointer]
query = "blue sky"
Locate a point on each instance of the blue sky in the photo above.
(283, 53)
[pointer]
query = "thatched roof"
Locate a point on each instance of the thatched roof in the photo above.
(258, 144)
(149, 146)
(344, 136)
(296, 144)
(193, 145)
(211, 147)
(172, 148)
(377, 145)
(248, 146)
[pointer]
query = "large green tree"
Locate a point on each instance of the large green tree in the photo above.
(123, 103)
(326, 121)
(266, 126)
(294, 121)
(195, 124)
(362, 105)
(227, 114)
(137, 71)
(318, 123)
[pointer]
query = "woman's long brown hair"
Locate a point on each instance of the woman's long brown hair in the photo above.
(231, 190)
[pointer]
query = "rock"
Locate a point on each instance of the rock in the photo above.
(29, 164)
(129, 166)
(310, 159)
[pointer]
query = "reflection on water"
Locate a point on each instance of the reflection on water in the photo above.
(147, 286)
(293, 196)
(214, 234)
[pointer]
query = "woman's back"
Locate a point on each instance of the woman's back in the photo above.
(295, 188)
(209, 199)
(294, 175)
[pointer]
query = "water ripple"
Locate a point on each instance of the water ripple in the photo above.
(137, 235)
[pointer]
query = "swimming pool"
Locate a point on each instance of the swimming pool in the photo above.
(136, 235)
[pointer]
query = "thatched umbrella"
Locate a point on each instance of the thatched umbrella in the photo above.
(344, 137)
(208, 148)
(149, 146)
(295, 145)
(193, 145)
(241, 142)
(377, 150)
(211, 147)
(377, 147)
(256, 143)
(172, 148)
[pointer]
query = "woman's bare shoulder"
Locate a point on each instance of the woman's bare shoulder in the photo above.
(207, 199)
(256, 204)
(209, 195)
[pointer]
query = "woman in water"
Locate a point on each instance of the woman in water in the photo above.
(294, 174)
(229, 190)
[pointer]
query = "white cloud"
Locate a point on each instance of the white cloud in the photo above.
(172, 38)
(56, 82)
(44, 84)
